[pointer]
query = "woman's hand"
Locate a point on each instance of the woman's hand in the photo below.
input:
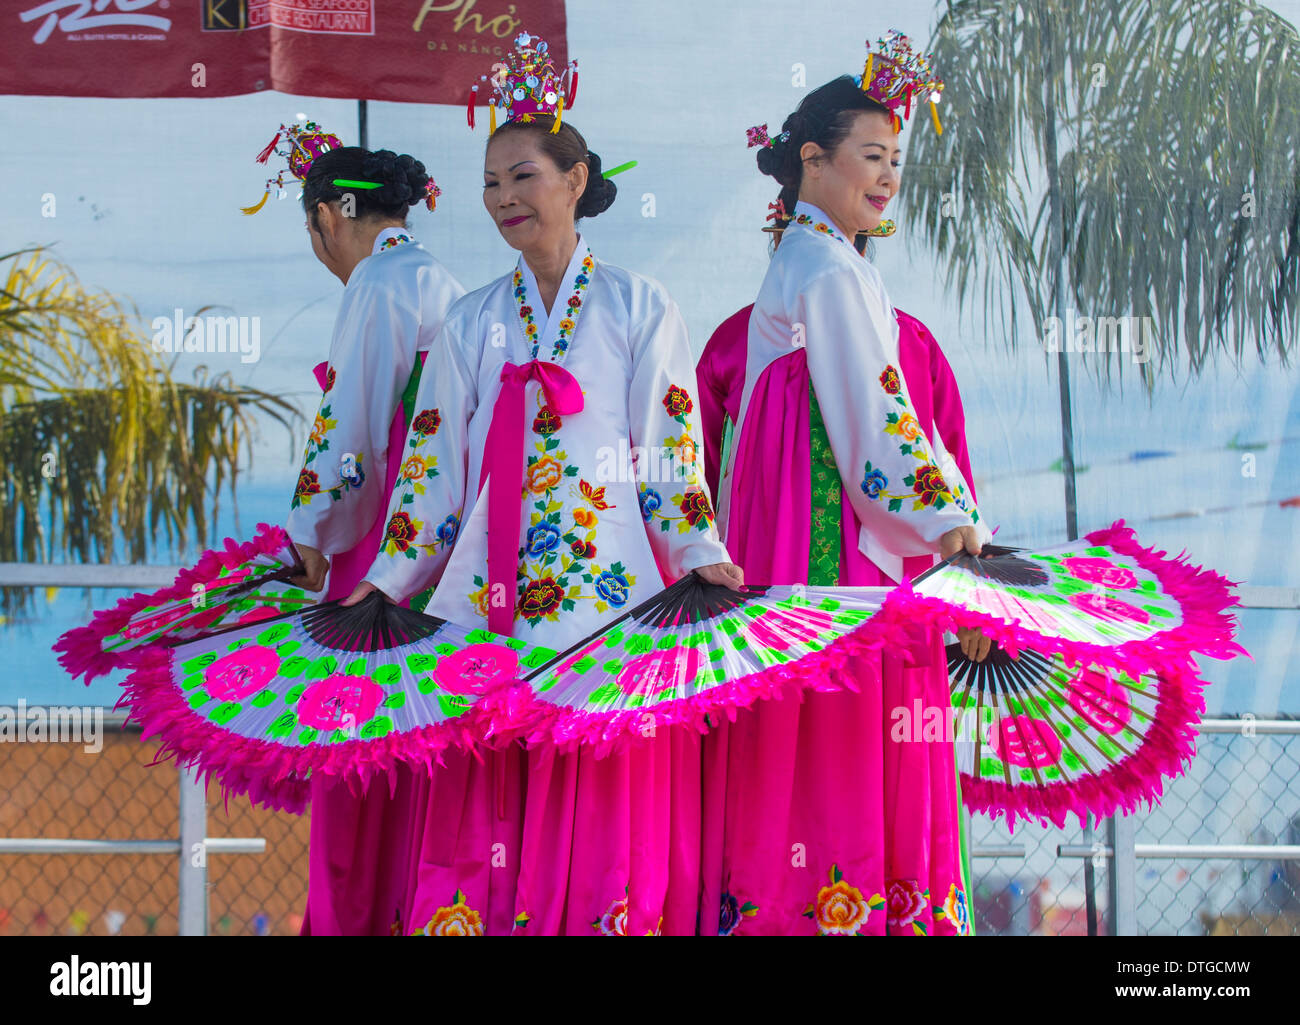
(315, 566)
(727, 574)
(957, 539)
(362, 590)
(975, 644)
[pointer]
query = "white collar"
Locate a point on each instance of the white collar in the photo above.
(548, 323)
(401, 234)
(819, 216)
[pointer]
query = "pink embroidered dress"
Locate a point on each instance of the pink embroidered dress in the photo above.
(817, 820)
(569, 435)
(392, 310)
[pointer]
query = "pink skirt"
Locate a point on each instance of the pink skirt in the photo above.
(831, 815)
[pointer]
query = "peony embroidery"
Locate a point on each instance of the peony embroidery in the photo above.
(614, 921)
(874, 483)
(929, 484)
(678, 403)
(308, 484)
(955, 911)
(427, 423)
(695, 509)
(546, 422)
(543, 474)
(733, 914)
(541, 599)
(650, 503)
(542, 538)
(457, 920)
(840, 909)
(612, 587)
(401, 531)
(907, 902)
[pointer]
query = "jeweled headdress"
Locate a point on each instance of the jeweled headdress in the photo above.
(895, 74)
(526, 84)
(298, 145)
(302, 144)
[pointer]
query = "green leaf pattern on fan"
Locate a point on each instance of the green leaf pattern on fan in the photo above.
(1074, 722)
(278, 684)
(641, 665)
(1092, 595)
(208, 609)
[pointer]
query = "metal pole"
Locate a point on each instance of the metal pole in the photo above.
(362, 127)
(1122, 877)
(192, 915)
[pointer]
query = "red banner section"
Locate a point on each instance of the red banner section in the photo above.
(416, 51)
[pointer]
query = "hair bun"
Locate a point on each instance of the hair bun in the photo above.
(402, 178)
(599, 194)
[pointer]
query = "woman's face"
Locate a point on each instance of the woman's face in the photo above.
(529, 197)
(858, 180)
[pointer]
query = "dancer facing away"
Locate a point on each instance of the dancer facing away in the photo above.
(395, 297)
(816, 821)
(506, 502)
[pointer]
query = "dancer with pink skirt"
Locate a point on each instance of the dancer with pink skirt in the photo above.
(838, 815)
(395, 297)
(551, 482)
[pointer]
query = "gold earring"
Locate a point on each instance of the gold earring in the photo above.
(886, 229)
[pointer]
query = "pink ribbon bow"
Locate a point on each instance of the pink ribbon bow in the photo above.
(504, 463)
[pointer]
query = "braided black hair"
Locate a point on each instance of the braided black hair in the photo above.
(566, 148)
(402, 180)
(825, 117)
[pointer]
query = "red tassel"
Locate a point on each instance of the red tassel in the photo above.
(265, 155)
(573, 89)
(469, 111)
(907, 109)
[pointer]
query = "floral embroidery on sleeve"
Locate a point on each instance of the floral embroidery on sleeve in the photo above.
(399, 537)
(928, 488)
(954, 910)
(678, 403)
(696, 511)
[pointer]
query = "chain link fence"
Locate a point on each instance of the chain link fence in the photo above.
(62, 791)
(1243, 787)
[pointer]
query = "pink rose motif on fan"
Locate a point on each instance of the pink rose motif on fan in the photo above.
(156, 622)
(1100, 700)
(476, 669)
(235, 676)
(1024, 741)
(657, 670)
(261, 612)
(906, 902)
(776, 630)
(1100, 571)
(339, 702)
(1108, 608)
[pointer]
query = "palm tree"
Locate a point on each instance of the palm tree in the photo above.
(1129, 158)
(1118, 158)
(96, 437)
